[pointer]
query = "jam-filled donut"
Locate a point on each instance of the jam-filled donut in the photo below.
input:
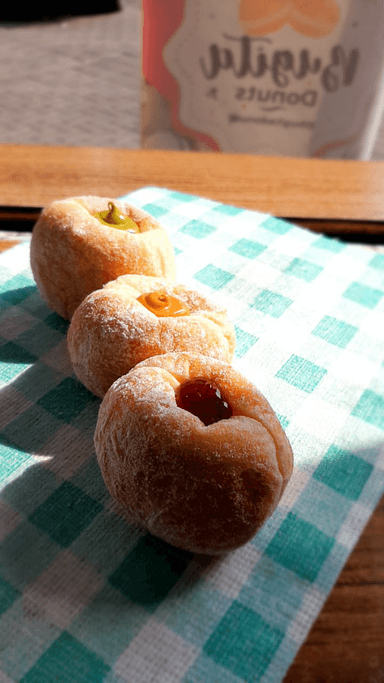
(80, 244)
(193, 451)
(135, 317)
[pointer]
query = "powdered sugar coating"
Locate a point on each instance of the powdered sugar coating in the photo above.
(73, 254)
(111, 331)
(205, 489)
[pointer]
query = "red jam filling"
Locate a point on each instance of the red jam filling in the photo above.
(203, 399)
(163, 305)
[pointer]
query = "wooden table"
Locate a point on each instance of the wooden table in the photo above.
(346, 644)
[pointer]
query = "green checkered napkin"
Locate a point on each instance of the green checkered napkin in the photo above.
(85, 597)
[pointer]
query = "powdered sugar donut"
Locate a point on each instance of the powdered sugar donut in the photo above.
(192, 451)
(80, 244)
(135, 317)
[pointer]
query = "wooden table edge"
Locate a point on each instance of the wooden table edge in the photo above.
(32, 176)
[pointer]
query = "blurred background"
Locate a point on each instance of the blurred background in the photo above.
(72, 80)
(76, 80)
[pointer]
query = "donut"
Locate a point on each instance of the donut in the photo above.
(315, 19)
(137, 316)
(80, 244)
(192, 451)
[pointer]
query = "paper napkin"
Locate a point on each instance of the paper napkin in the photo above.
(86, 598)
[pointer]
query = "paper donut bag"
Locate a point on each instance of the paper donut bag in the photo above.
(286, 77)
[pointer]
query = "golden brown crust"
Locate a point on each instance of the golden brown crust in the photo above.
(111, 331)
(73, 254)
(204, 489)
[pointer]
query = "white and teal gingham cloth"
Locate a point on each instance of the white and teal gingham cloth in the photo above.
(87, 598)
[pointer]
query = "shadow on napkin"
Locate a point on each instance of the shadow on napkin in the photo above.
(49, 550)
(12, 297)
(66, 517)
